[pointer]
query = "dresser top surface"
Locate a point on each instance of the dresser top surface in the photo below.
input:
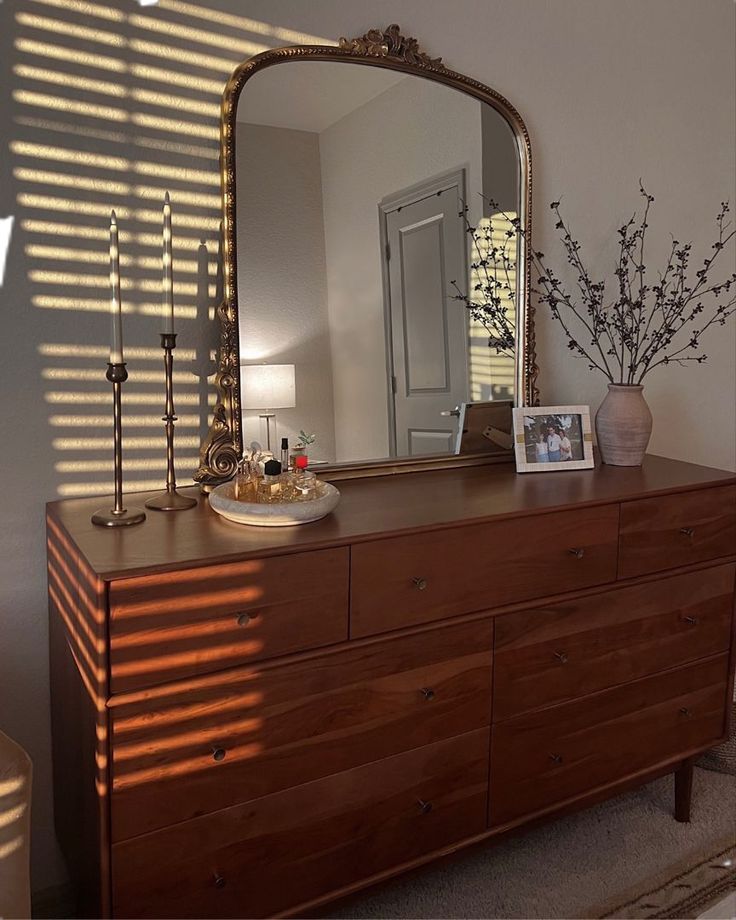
(369, 508)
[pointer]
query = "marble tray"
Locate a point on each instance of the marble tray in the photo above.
(286, 514)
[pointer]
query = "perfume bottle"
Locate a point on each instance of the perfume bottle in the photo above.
(303, 481)
(284, 454)
(270, 486)
(294, 453)
(246, 481)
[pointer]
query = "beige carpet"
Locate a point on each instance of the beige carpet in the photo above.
(695, 888)
(570, 867)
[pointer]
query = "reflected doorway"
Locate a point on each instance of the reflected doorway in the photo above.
(426, 329)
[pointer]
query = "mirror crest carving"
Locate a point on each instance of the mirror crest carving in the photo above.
(391, 43)
(387, 49)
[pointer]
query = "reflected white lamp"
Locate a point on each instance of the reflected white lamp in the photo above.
(268, 386)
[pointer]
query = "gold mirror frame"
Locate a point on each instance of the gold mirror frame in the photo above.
(223, 447)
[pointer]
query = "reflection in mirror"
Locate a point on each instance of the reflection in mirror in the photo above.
(353, 240)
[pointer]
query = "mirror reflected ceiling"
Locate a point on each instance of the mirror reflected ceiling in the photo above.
(365, 237)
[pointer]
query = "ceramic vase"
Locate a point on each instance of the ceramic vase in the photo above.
(623, 425)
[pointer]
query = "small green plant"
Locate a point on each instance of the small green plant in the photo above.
(306, 439)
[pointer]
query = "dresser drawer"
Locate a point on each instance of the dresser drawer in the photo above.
(241, 735)
(549, 756)
(284, 849)
(675, 530)
(178, 624)
(562, 651)
(424, 577)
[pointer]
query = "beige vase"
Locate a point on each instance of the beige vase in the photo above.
(623, 425)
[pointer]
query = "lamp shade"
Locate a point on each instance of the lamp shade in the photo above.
(268, 386)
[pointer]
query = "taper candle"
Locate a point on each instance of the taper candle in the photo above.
(168, 282)
(116, 315)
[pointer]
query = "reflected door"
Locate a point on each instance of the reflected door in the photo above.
(428, 329)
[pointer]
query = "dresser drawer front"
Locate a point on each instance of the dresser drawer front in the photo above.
(175, 625)
(236, 737)
(285, 849)
(675, 530)
(547, 757)
(416, 579)
(552, 654)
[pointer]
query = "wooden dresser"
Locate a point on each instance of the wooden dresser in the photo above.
(250, 722)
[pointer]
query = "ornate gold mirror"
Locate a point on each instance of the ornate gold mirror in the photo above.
(373, 284)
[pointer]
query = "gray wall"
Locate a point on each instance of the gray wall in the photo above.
(501, 172)
(611, 91)
(282, 284)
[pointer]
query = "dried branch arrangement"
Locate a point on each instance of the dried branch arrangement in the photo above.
(638, 326)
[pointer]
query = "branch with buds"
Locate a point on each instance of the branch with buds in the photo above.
(638, 326)
(492, 289)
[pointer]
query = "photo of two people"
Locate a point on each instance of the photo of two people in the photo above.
(553, 438)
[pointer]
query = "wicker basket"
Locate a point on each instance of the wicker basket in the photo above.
(723, 758)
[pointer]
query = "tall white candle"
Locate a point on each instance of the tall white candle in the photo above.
(168, 282)
(116, 315)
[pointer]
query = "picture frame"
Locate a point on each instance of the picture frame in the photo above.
(551, 439)
(485, 427)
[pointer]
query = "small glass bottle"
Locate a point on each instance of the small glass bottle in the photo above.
(304, 481)
(294, 453)
(288, 486)
(269, 487)
(284, 454)
(246, 481)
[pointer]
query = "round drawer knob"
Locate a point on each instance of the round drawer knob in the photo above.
(577, 552)
(427, 693)
(242, 619)
(685, 712)
(219, 881)
(420, 583)
(691, 621)
(687, 531)
(424, 807)
(218, 753)
(561, 657)
(556, 758)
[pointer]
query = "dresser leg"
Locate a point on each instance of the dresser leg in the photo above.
(683, 790)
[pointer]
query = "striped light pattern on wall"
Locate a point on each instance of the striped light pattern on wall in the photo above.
(113, 104)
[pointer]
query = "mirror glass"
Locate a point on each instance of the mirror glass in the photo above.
(371, 205)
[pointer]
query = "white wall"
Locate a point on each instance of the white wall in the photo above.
(413, 132)
(611, 90)
(282, 289)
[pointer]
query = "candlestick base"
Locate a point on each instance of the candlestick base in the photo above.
(170, 500)
(111, 518)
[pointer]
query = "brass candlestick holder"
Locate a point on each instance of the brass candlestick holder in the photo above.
(118, 516)
(170, 500)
